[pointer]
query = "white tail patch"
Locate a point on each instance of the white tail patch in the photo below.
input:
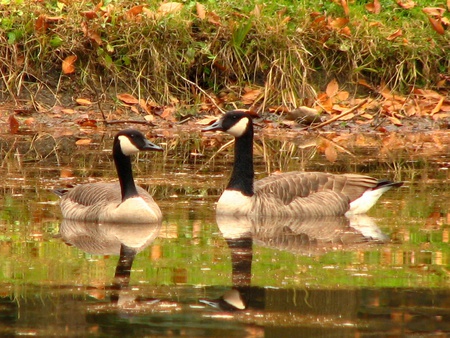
(366, 201)
(233, 297)
(127, 147)
(239, 128)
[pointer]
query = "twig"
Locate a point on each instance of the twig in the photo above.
(226, 145)
(351, 110)
(128, 121)
(198, 87)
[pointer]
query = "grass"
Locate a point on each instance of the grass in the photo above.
(290, 49)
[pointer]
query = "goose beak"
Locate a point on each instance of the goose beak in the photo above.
(215, 126)
(151, 146)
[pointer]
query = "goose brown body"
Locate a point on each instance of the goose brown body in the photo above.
(102, 202)
(292, 193)
(119, 202)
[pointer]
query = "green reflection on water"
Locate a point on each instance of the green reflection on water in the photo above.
(191, 259)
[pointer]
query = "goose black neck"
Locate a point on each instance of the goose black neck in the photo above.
(243, 174)
(125, 173)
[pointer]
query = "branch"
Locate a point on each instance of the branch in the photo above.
(351, 110)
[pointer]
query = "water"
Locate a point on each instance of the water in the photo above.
(195, 275)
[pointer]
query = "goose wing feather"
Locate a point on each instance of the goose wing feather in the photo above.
(310, 193)
(88, 201)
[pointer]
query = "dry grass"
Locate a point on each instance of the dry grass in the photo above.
(280, 47)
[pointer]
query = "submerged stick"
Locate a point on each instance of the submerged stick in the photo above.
(335, 118)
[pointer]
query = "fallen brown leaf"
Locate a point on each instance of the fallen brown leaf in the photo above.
(408, 4)
(332, 88)
(374, 7)
(331, 153)
(343, 95)
(250, 96)
(170, 8)
(395, 35)
(437, 25)
(345, 7)
(338, 23)
(90, 14)
(435, 11)
(207, 120)
(68, 64)
(134, 11)
(213, 18)
(127, 98)
(13, 124)
(66, 173)
(40, 24)
(346, 31)
(83, 142)
(438, 106)
(201, 11)
(83, 102)
(395, 121)
(168, 114)
(68, 111)
(85, 122)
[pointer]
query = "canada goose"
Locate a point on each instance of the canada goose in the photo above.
(292, 193)
(117, 202)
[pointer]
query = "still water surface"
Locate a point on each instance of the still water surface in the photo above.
(385, 274)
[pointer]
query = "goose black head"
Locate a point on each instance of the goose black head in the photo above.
(235, 123)
(131, 141)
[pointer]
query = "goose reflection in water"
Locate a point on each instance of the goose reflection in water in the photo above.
(310, 236)
(125, 240)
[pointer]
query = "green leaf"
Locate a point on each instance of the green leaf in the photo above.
(56, 41)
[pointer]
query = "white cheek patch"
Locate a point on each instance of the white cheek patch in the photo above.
(239, 128)
(126, 146)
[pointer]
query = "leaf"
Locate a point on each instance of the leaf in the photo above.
(68, 64)
(364, 83)
(250, 96)
(66, 173)
(134, 11)
(168, 114)
(395, 35)
(149, 118)
(90, 15)
(68, 111)
(89, 33)
(338, 23)
(170, 8)
(331, 153)
(374, 7)
(40, 24)
(256, 12)
(395, 121)
(406, 5)
(343, 95)
(201, 11)
(438, 107)
(437, 25)
(213, 18)
(332, 88)
(83, 142)
(346, 31)
(83, 102)
(207, 120)
(86, 122)
(435, 11)
(127, 98)
(345, 7)
(13, 124)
